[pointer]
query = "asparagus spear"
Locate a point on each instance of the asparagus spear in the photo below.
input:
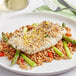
(69, 40)
(14, 60)
(63, 25)
(30, 62)
(69, 55)
(58, 51)
(4, 37)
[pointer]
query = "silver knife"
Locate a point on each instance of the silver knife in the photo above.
(65, 4)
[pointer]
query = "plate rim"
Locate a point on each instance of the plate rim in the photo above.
(29, 73)
(15, 14)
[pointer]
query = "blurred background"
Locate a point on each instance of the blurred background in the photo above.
(23, 6)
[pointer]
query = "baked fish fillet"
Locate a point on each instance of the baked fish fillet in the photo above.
(41, 37)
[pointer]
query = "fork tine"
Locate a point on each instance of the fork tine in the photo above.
(50, 4)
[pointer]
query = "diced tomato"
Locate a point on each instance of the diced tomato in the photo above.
(50, 55)
(67, 28)
(21, 61)
(69, 45)
(73, 45)
(29, 27)
(68, 34)
(60, 42)
(1, 54)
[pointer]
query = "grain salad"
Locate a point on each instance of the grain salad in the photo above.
(37, 43)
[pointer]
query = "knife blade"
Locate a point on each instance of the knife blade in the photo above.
(65, 3)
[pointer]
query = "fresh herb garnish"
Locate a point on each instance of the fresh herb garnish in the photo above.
(46, 35)
(63, 25)
(43, 25)
(15, 36)
(11, 33)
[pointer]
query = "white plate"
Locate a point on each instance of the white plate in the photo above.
(56, 66)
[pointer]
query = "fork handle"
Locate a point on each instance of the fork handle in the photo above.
(69, 9)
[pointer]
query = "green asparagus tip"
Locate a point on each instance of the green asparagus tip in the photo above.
(4, 37)
(69, 40)
(63, 25)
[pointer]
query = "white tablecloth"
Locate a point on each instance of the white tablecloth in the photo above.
(32, 5)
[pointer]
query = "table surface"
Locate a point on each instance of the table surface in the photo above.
(32, 5)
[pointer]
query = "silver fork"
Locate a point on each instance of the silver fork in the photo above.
(55, 8)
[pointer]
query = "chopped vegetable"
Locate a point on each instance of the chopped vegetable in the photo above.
(50, 55)
(68, 34)
(46, 35)
(69, 45)
(63, 25)
(11, 46)
(58, 51)
(74, 42)
(44, 25)
(4, 37)
(30, 62)
(73, 45)
(11, 33)
(1, 54)
(69, 55)
(67, 28)
(69, 40)
(14, 60)
(15, 36)
(47, 22)
(25, 29)
(35, 24)
(21, 60)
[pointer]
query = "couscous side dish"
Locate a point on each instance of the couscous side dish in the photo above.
(37, 43)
